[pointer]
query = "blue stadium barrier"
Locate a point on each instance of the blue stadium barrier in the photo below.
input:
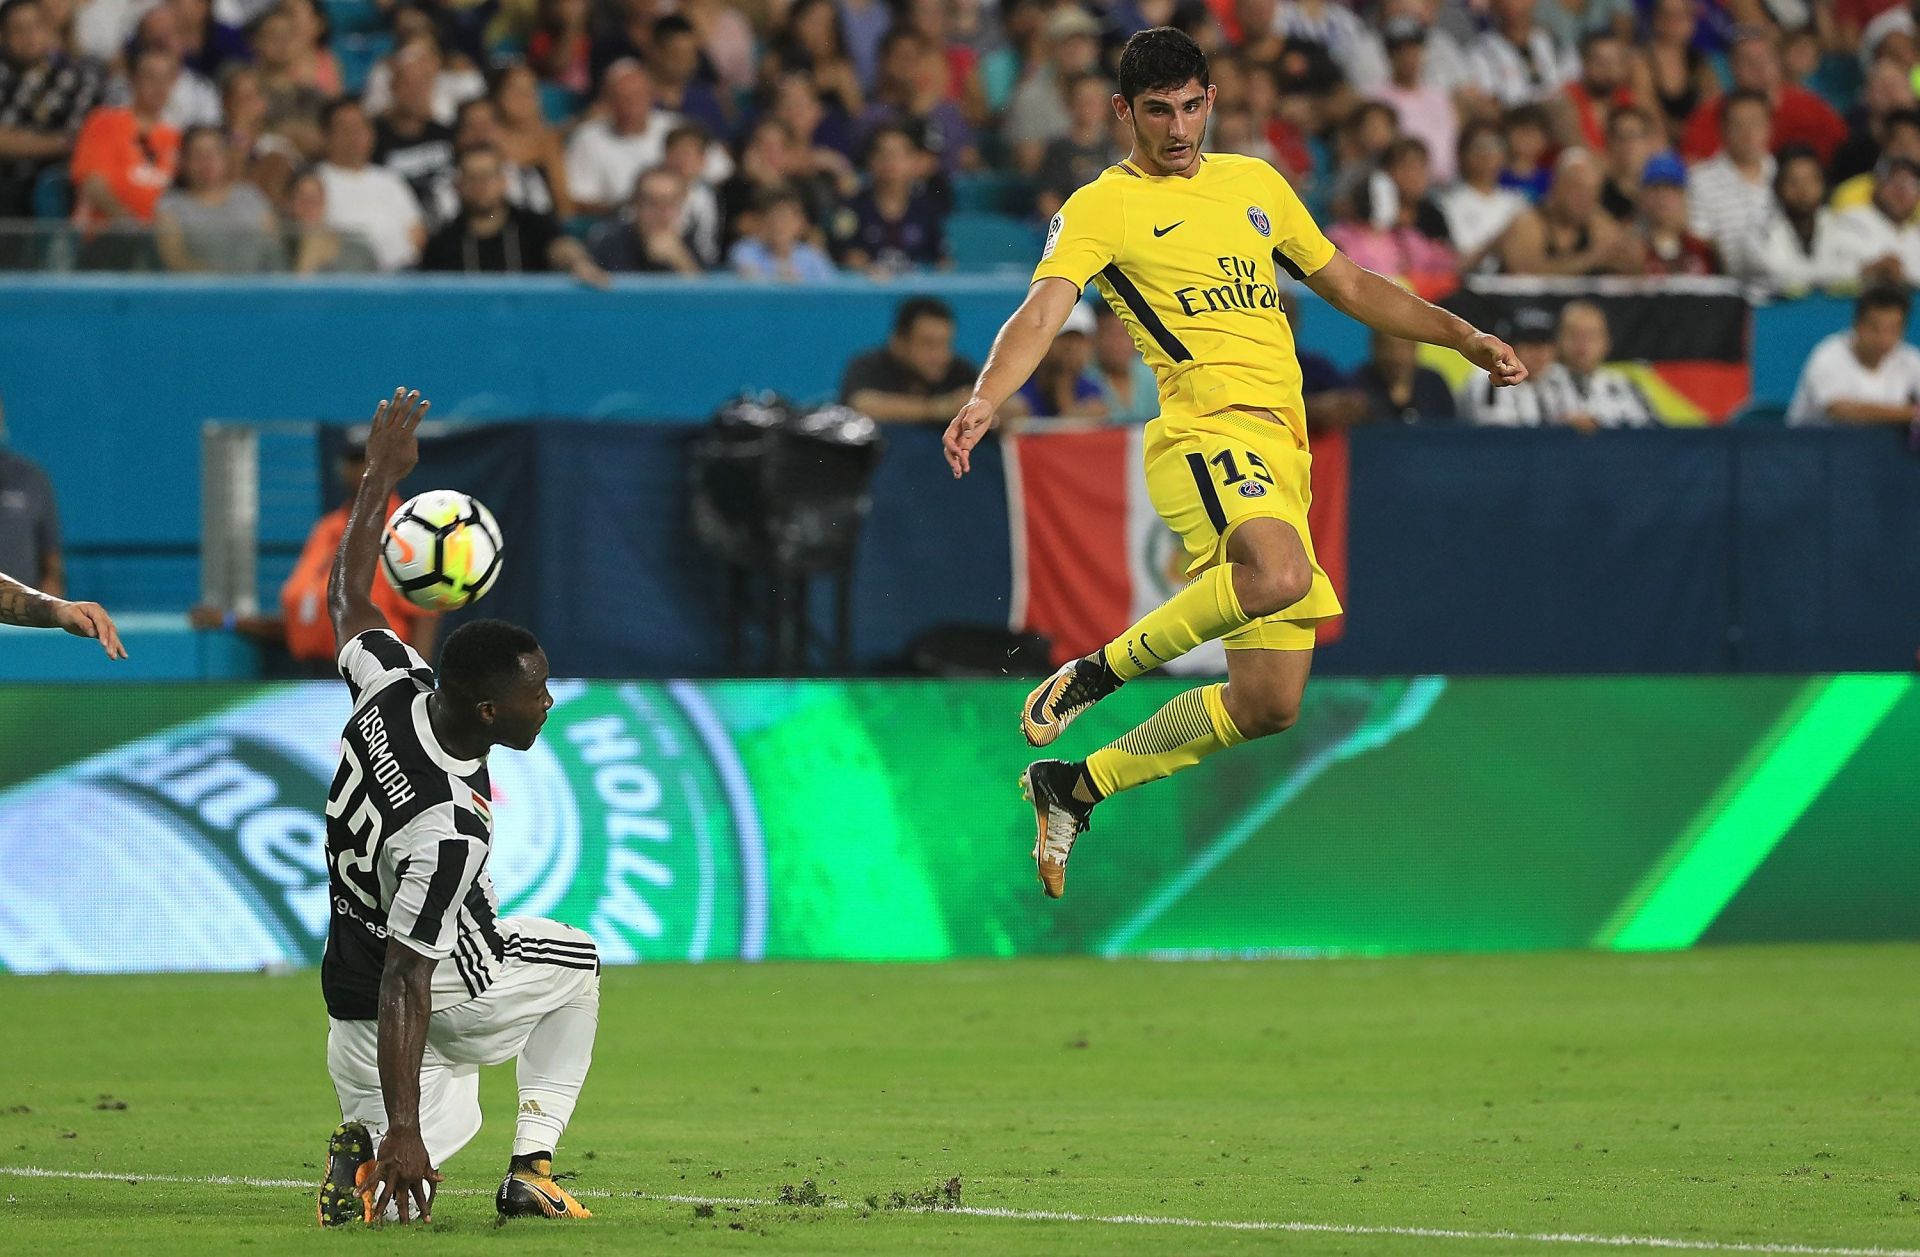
(980, 240)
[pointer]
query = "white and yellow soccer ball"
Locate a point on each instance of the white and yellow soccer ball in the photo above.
(441, 550)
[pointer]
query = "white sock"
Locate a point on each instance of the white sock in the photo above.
(553, 1068)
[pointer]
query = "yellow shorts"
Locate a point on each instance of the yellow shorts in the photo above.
(1206, 476)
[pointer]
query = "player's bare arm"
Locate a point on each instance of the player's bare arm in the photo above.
(1385, 306)
(1018, 347)
(392, 451)
(24, 605)
(403, 1173)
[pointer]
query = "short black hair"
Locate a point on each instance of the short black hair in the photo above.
(332, 109)
(1902, 118)
(1744, 95)
(483, 656)
(913, 309)
(1882, 297)
(1601, 36)
(1160, 59)
(1785, 159)
(881, 132)
(671, 24)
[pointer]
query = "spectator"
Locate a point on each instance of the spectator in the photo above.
(778, 248)
(1363, 141)
(726, 38)
(1579, 390)
(456, 81)
(524, 137)
(492, 237)
(649, 238)
(477, 125)
(1570, 21)
(1796, 114)
(1671, 248)
(1896, 22)
(627, 37)
(293, 105)
(206, 44)
(1516, 60)
(915, 377)
(1403, 232)
(255, 152)
(1800, 246)
(817, 121)
(369, 200)
(560, 49)
(1730, 196)
(126, 154)
(1529, 137)
(1422, 109)
(30, 521)
(313, 244)
(208, 222)
(102, 29)
(894, 225)
(1887, 95)
(191, 99)
(314, 64)
(1568, 233)
(1060, 387)
(1530, 330)
(1601, 89)
(1037, 114)
(1127, 384)
(608, 153)
(1088, 148)
(1339, 30)
(1672, 77)
(1023, 32)
(1881, 240)
(700, 221)
(407, 138)
(930, 18)
(865, 24)
(1399, 390)
(677, 85)
(44, 98)
(1478, 209)
(1868, 374)
(766, 165)
(1633, 140)
(812, 40)
(303, 627)
(1901, 139)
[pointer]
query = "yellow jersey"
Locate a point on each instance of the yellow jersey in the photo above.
(1192, 267)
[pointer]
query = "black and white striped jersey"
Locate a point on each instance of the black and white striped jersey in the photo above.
(409, 828)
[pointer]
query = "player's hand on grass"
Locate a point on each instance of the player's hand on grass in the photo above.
(90, 619)
(391, 444)
(404, 1176)
(966, 431)
(1496, 358)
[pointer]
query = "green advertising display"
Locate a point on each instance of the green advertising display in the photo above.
(164, 828)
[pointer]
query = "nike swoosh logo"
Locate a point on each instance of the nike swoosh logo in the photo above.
(1037, 713)
(1161, 231)
(553, 1202)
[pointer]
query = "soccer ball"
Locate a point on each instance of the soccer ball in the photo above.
(441, 550)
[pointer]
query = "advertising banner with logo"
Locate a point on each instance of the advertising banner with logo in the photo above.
(181, 828)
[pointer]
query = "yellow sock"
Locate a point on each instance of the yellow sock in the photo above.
(1187, 730)
(1206, 609)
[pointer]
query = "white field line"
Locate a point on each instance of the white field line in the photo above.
(1055, 1215)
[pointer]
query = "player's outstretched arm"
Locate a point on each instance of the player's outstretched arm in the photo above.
(392, 450)
(403, 1172)
(25, 605)
(1386, 307)
(1022, 342)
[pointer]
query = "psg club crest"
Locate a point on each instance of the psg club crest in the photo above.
(1258, 217)
(1253, 488)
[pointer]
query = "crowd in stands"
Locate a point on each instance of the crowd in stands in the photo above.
(1776, 141)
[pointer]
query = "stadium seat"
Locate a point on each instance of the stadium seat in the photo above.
(980, 241)
(1760, 414)
(996, 191)
(357, 55)
(559, 104)
(354, 16)
(53, 193)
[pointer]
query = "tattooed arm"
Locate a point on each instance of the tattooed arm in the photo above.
(20, 604)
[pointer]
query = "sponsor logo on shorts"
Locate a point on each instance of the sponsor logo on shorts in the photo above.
(1253, 489)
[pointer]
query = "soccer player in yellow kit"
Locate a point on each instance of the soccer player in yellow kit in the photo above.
(1189, 248)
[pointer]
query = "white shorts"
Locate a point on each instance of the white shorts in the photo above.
(484, 1031)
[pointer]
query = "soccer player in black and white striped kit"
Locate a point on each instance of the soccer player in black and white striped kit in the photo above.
(424, 981)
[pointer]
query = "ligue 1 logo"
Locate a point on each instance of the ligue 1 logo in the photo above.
(1258, 217)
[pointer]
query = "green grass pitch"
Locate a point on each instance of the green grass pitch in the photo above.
(1743, 1097)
